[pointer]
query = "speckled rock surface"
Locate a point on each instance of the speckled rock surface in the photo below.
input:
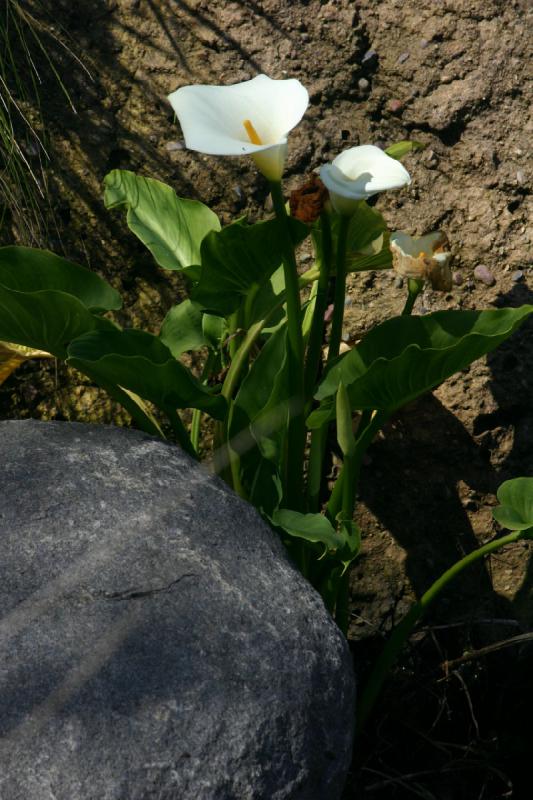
(154, 640)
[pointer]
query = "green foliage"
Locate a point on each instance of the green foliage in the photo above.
(406, 356)
(400, 149)
(141, 363)
(46, 301)
(515, 511)
(185, 327)
(171, 228)
(238, 258)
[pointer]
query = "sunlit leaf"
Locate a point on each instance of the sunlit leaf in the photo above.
(171, 228)
(400, 149)
(407, 356)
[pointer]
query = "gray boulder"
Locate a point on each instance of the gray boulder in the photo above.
(155, 642)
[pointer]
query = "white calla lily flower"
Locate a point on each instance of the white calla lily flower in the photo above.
(358, 173)
(250, 118)
(423, 258)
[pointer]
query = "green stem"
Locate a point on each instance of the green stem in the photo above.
(361, 445)
(197, 414)
(293, 472)
(321, 300)
(403, 630)
(340, 290)
(414, 288)
(317, 451)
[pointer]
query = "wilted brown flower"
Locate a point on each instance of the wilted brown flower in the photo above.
(306, 203)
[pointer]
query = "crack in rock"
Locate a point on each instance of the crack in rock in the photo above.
(133, 594)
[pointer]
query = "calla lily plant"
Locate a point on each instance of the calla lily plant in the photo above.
(280, 395)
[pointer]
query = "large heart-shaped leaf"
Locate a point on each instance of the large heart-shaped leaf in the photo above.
(516, 509)
(25, 269)
(407, 356)
(186, 327)
(141, 363)
(46, 301)
(171, 228)
(238, 257)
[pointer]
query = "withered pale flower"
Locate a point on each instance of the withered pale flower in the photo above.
(251, 118)
(359, 173)
(423, 258)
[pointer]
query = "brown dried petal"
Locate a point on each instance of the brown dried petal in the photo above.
(306, 203)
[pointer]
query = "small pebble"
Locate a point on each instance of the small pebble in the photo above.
(398, 282)
(517, 276)
(370, 55)
(363, 84)
(424, 43)
(520, 176)
(403, 57)
(173, 146)
(483, 274)
(457, 278)
(329, 313)
(395, 106)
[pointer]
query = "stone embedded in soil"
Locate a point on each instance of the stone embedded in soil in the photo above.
(369, 57)
(363, 84)
(457, 278)
(155, 640)
(395, 106)
(483, 274)
(517, 276)
(402, 58)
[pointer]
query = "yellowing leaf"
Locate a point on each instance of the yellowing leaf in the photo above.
(13, 355)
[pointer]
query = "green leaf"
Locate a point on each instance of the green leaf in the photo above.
(258, 423)
(186, 327)
(407, 356)
(45, 301)
(311, 527)
(25, 269)
(345, 434)
(400, 149)
(367, 245)
(236, 258)
(139, 362)
(171, 228)
(515, 511)
(262, 402)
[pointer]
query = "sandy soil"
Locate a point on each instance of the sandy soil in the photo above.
(456, 76)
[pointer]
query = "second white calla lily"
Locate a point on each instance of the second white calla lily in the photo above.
(360, 172)
(250, 118)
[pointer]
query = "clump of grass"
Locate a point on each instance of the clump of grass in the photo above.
(24, 45)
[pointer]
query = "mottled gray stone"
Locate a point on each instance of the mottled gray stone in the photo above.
(155, 642)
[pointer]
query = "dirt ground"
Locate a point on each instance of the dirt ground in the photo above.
(456, 76)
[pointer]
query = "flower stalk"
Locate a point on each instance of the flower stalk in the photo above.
(293, 472)
(403, 630)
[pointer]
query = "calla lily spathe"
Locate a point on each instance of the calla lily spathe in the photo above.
(250, 118)
(423, 258)
(358, 173)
